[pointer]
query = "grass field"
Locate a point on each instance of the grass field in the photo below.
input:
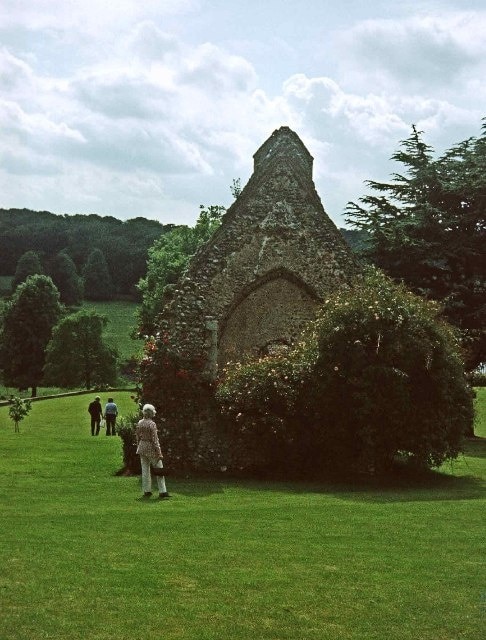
(121, 322)
(83, 558)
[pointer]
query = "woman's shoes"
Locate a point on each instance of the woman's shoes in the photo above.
(162, 496)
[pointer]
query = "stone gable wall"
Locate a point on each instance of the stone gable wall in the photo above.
(265, 270)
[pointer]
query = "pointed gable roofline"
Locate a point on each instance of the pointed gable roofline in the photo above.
(283, 144)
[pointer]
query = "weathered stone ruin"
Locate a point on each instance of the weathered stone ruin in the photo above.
(248, 292)
(260, 278)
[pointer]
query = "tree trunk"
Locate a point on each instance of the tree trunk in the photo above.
(34, 392)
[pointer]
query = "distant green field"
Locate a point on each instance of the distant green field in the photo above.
(224, 559)
(121, 322)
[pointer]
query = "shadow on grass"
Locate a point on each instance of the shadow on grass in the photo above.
(431, 486)
(402, 485)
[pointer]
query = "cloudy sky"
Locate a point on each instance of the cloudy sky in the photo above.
(152, 107)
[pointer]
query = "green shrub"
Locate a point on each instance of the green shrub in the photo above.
(376, 377)
(18, 410)
(126, 430)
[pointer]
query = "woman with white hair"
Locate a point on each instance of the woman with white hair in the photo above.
(148, 448)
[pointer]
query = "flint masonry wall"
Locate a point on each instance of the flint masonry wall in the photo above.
(260, 278)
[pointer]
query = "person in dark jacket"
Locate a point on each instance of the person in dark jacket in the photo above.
(96, 412)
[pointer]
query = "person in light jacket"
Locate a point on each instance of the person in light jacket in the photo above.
(111, 412)
(148, 448)
(96, 412)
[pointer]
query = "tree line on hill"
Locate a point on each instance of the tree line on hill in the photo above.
(122, 247)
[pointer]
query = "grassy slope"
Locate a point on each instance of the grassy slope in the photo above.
(121, 322)
(83, 558)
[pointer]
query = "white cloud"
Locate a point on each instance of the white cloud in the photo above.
(421, 53)
(109, 110)
(14, 73)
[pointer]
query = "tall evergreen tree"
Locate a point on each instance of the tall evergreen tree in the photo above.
(98, 284)
(65, 276)
(28, 264)
(427, 228)
(29, 319)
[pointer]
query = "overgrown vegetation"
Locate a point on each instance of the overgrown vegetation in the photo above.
(376, 378)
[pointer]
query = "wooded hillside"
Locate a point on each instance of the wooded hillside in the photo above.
(124, 244)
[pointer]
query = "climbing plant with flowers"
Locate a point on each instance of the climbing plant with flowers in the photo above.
(172, 378)
(377, 377)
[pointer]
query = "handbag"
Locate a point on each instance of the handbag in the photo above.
(102, 423)
(158, 471)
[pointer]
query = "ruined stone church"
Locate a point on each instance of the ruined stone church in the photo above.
(261, 277)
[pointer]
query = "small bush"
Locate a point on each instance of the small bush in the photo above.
(18, 410)
(376, 377)
(126, 430)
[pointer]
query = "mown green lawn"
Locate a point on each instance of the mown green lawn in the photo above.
(83, 558)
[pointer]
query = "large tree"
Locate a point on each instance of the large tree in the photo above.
(29, 319)
(65, 276)
(77, 354)
(28, 264)
(427, 228)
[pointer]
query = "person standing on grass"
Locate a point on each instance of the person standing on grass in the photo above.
(96, 412)
(148, 448)
(111, 412)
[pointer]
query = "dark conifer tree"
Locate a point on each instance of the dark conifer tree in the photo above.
(64, 275)
(427, 228)
(98, 284)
